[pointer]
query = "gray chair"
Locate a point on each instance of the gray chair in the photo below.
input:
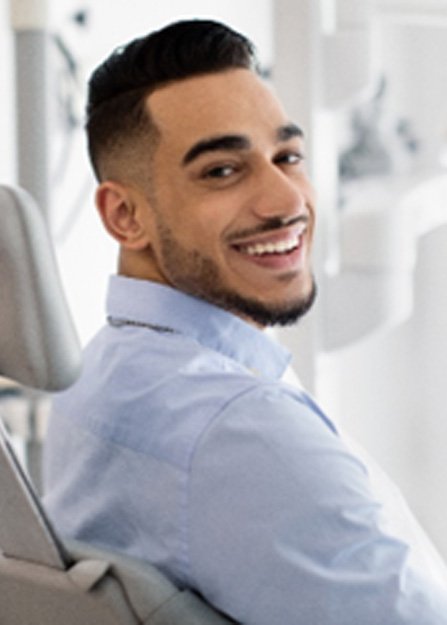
(44, 581)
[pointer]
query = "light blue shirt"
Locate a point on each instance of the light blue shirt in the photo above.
(181, 445)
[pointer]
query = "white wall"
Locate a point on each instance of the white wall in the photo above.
(7, 120)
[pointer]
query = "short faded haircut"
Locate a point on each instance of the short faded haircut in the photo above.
(118, 124)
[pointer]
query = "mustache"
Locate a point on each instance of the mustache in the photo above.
(270, 225)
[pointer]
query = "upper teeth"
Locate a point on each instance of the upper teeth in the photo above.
(279, 247)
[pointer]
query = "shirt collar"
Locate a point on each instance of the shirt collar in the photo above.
(145, 302)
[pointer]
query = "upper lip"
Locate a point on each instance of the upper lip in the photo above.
(275, 235)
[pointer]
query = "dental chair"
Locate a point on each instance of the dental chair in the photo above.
(44, 581)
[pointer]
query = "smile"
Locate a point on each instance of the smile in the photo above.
(278, 246)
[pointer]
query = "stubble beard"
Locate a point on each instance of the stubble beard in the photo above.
(199, 276)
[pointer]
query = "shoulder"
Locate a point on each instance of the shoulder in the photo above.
(269, 422)
(157, 393)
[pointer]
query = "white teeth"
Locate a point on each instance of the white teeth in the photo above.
(278, 247)
(273, 248)
(301, 227)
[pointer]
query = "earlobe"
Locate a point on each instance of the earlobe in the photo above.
(119, 210)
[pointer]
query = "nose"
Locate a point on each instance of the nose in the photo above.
(280, 194)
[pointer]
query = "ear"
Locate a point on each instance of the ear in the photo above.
(120, 209)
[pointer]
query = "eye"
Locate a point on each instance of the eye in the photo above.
(220, 171)
(289, 158)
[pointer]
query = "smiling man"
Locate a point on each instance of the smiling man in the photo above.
(227, 210)
(180, 444)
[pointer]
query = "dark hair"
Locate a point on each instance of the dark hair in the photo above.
(116, 115)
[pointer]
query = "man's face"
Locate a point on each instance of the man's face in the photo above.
(232, 209)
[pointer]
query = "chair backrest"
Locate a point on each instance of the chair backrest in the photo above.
(44, 581)
(38, 344)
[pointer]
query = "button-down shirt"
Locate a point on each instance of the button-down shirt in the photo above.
(181, 445)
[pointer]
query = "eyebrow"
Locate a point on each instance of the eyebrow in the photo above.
(289, 131)
(224, 142)
(236, 142)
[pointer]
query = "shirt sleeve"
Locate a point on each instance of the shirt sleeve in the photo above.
(285, 527)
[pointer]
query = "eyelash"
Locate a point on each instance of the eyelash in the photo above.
(291, 158)
(219, 171)
(224, 171)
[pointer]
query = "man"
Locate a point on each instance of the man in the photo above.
(180, 444)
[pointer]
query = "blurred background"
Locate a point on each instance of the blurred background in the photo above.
(367, 80)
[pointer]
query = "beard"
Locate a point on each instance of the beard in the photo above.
(267, 314)
(199, 276)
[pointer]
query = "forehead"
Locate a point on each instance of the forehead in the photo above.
(234, 101)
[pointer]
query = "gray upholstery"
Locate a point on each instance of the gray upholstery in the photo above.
(42, 581)
(24, 534)
(38, 345)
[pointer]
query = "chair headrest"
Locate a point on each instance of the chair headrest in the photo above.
(39, 346)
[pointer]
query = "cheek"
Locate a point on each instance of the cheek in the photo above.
(195, 219)
(204, 237)
(200, 228)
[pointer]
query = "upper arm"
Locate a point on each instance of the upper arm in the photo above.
(285, 528)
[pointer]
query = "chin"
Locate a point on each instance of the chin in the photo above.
(265, 314)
